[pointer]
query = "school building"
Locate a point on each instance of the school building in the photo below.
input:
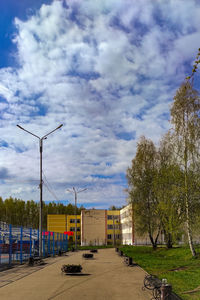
(99, 227)
(65, 224)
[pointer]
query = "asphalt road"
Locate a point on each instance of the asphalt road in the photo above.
(105, 277)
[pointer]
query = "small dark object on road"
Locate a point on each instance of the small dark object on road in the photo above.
(93, 250)
(71, 268)
(88, 255)
(31, 261)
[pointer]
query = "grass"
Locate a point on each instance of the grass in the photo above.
(177, 265)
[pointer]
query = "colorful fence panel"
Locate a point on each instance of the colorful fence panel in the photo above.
(17, 244)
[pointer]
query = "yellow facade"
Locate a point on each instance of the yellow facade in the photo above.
(63, 223)
(107, 228)
(57, 223)
(113, 227)
(71, 226)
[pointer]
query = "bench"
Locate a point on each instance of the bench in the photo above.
(88, 255)
(34, 260)
(128, 261)
(60, 253)
(152, 283)
(93, 250)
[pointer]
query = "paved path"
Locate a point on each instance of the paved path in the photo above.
(105, 277)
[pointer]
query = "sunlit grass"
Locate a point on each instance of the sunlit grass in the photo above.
(177, 265)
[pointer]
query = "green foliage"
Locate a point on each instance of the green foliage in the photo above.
(164, 183)
(141, 190)
(185, 116)
(20, 213)
(168, 184)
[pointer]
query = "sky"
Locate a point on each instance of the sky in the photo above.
(107, 70)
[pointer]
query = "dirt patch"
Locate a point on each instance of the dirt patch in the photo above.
(196, 290)
(178, 269)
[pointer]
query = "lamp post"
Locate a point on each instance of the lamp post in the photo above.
(75, 199)
(41, 182)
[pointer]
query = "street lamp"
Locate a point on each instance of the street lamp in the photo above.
(75, 198)
(41, 182)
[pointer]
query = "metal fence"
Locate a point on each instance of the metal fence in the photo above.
(17, 244)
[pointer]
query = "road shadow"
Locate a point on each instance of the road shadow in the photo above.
(77, 274)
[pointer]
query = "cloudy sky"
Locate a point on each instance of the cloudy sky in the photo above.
(107, 70)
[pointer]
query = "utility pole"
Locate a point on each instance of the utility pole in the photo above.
(75, 199)
(41, 181)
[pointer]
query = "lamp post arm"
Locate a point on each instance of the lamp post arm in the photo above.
(52, 131)
(28, 131)
(82, 190)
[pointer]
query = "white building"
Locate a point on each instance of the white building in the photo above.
(127, 225)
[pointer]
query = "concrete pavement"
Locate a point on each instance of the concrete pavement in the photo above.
(105, 277)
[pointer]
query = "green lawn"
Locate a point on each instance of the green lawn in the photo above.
(176, 264)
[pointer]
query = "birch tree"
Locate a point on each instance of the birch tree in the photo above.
(185, 117)
(168, 190)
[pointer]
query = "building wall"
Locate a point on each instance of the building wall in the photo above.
(129, 234)
(62, 223)
(71, 226)
(99, 227)
(93, 227)
(127, 225)
(57, 223)
(113, 227)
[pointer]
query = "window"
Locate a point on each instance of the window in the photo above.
(78, 237)
(74, 220)
(113, 217)
(116, 226)
(72, 228)
(110, 226)
(109, 236)
(78, 229)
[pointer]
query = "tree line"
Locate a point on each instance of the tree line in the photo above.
(20, 213)
(164, 179)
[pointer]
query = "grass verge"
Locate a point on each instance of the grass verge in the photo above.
(177, 265)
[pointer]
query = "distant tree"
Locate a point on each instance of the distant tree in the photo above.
(2, 211)
(20, 213)
(112, 207)
(10, 216)
(141, 190)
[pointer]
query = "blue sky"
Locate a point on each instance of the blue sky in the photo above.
(107, 70)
